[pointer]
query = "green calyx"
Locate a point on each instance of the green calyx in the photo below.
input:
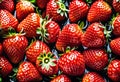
(1, 1)
(33, 1)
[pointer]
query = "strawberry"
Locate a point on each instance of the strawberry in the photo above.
(29, 25)
(35, 49)
(56, 10)
(7, 5)
(72, 63)
(116, 5)
(69, 36)
(94, 36)
(5, 67)
(42, 3)
(116, 24)
(93, 77)
(23, 8)
(99, 11)
(95, 59)
(61, 78)
(47, 64)
(27, 72)
(1, 49)
(77, 10)
(113, 70)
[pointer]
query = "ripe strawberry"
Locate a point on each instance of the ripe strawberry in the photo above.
(116, 5)
(69, 36)
(72, 63)
(77, 10)
(94, 36)
(42, 3)
(93, 77)
(7, 20)
(35, 49)
(5, 66)
(61, 78)
(23, 8)
(113, 70)
(47, 64)
(29, 25)
(99, 11)
(56, 10)
(28, 73)
(7, 4)
(95, 59)
(1, 49)
(116, 24)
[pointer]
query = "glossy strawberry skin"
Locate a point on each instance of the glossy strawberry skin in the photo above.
(42, 4)
(72, 63)
(94, 36)
(92, 77)
(77, 10)
(113, 70)
(23, 9)
(15, 47)
(95, 59)
(61, 78)
(27, 72)
(116, 5)
(1, 49)
(69, 36)
(99, 11)
(29, 25)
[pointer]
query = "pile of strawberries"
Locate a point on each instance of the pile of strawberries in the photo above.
(59, 41)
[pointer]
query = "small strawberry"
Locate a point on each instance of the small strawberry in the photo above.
(113, 70)
(1, 49)
(94, 36)
(72, 63)
(99, 11)
(92, 77)
(42, 3)
(7, 5)
(116, 5)
(77, 10)
(69, 36)
(28, 73)
(95, 59)
(29, 25)
(35, 49)
(23, 8)
(61, 78)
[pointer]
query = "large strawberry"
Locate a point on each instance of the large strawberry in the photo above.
(42, 3)
(5, 66)
(77, 10)
(23, 8)
(7, 4)
(116, 5)
(29, 25)
(95, 59)
(99, 11)
(69, 36)
(93, 77)
(113, 70)
(94, 36)
(35, 49)
(27, 72)
(72, 63)
(1, 49)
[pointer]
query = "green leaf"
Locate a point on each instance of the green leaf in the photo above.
(33, 1)
(81, 24)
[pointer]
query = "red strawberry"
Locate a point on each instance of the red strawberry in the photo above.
(56, 10)
(7, 20)
(35, 49)
(61, 78)
(29, 25)
(1, 49)
(95, 59)
(42, 3)
(99, 11)
(77, 10)
(94, 36)
(28, 73)
(69, 36)
(47, 64)
(116, 5)
(23, 8)
(5, 66)
(7, 4)
(113, 70)
(93, 77)
(72, 63)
